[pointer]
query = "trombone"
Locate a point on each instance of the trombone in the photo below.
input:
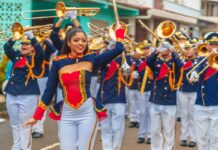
(212, 62)
(165, 29)
(18, 30)
(60, 10)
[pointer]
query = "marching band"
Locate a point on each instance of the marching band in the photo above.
(94, 80)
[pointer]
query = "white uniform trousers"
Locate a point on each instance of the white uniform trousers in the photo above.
(206, 125)
(39, 126)
(162, 117)
(112, 128)
(178, 107)
(59, 97)
(127, 103)
(20, 108)
(78, 128)
(133, 105)
(145, 117)
(94, 86)
(186, 102)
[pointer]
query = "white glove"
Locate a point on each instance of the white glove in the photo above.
(29, 34)
(135, 75)
(61, 19)
(194, 76)
(164, 46)
(215, 50)
(71, 14)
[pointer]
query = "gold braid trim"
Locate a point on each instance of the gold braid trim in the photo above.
(172, 78)
(30, 67)
(60, 57)
(82, 90)
(54, 111)
(42, 105)
(142, 89)
(122, 78)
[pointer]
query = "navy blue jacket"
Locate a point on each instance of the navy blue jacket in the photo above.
(16, 84)
(161, 93)
(108, 92)
(55, 38)
(149, 83)
(186, 86)
(207, 90)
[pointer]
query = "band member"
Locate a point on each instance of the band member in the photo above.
(22, 89)
(133, 94)
(112, 94)
(206, 106)
(73, 69)
(144, 88)
(187, 96)
(48, 50)
(166, 66)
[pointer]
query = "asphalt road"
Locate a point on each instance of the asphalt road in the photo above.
(50, 139)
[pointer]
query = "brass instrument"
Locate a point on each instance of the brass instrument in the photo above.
(203, 50)
(109, 34)
(61, 9)
(96, 43)
(212, 62)
(18, 30)
(165, 29)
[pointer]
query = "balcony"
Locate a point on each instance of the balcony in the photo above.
(181, 9)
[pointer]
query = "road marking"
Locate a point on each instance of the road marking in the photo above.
(50, 146)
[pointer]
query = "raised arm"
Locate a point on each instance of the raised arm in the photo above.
(106, 57)
(8, 48)
(151, 60)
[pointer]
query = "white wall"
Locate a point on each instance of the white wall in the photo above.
(141, 3)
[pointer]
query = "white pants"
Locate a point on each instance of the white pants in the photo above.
(178, 107)
(20, 108)
(145, 118)
(39, 126)
(78, 128)
(186, 102)
(162, 117)
(206, 125)
(133, 105)
(94, 86)
(127, 103)
(112, 128)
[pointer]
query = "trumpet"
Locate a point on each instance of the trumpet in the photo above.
(18, 30)
(212, 62)
(60, 10)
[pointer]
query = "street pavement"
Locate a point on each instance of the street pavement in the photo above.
(50, 139)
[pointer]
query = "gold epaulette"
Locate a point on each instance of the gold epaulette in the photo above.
(60, 57)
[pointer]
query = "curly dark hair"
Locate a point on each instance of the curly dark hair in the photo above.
(72, 32)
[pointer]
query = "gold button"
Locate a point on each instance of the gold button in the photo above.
(165, 95)
(12, 82)
(17, 57)
(202, 86)
(165, 88)
(12, 74)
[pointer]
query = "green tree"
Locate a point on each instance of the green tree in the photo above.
(3, 66)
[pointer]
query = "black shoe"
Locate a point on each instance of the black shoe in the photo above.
(137, 125)
(191, 144)
(37, 135)
(133, 124)
(178, 119)
(183, 143)
(148, 141)
(141, 140)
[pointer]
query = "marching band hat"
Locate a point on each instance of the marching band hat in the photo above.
(211, 38)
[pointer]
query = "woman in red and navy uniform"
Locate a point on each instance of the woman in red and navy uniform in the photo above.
(73, 70)
(22, 88)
